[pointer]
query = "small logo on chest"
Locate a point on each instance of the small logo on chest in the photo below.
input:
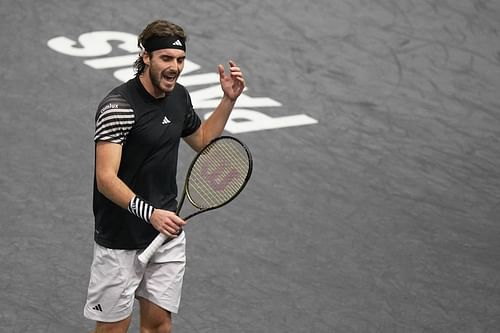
(165, 121)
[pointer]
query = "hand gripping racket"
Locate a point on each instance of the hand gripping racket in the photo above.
(217, 174)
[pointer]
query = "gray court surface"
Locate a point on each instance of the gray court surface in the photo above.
(380, 215)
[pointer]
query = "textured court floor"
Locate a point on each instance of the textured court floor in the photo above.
(375, 129)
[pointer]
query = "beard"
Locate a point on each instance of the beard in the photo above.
(163, 81)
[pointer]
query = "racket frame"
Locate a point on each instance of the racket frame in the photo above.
(185, 191)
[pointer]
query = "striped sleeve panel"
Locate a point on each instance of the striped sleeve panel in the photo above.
(114, 120)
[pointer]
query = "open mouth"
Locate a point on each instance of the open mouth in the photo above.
(170, 76)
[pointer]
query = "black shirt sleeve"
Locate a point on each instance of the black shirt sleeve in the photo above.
(192, 121)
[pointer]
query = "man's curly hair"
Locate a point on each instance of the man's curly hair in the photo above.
(158, 28)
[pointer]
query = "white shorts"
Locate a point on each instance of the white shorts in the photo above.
(117, 277)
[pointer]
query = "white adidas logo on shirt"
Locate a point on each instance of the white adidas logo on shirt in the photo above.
(165, 121)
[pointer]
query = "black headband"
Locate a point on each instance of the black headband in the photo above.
(168, 42)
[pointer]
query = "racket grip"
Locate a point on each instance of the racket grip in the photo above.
(146, 255)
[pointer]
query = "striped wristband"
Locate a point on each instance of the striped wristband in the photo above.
(141, 208)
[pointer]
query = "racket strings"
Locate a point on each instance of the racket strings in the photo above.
(218, 174)
(218, 177)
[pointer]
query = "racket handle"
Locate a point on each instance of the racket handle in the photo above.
(146, 255)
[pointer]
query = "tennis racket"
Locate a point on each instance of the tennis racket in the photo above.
(217, 174)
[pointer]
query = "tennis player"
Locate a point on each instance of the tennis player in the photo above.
(139, 125)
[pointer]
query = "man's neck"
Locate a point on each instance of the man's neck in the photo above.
(150, 88)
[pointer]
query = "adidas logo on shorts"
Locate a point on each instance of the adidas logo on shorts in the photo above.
(97, 308)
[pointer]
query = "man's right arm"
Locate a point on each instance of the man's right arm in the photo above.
(107, 163)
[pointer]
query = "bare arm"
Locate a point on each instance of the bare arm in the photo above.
(232, 86)
(108, 158)
(107, 163)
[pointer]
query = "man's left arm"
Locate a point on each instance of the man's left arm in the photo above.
(232, 85)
